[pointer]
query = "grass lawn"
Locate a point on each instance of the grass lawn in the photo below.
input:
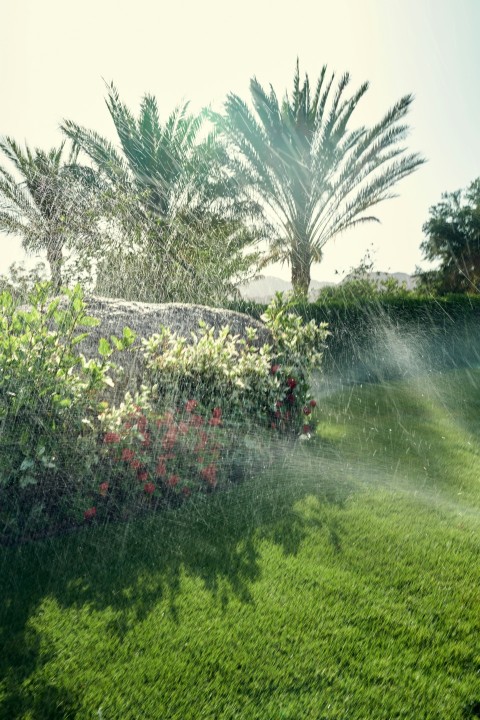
(345, 584)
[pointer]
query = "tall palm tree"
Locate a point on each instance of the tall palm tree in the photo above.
(314, 175)
(49, 206)
(168, 177)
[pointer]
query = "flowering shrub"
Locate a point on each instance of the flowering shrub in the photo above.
(50, 398)
(155, 456)
(269, 385)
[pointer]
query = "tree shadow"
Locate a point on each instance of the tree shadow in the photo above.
(131, 567)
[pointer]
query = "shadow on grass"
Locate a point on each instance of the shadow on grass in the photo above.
(130, 567)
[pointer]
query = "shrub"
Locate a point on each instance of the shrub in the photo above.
(269, 385)
(49, 402)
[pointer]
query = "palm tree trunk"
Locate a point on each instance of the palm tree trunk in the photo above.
(301, 260)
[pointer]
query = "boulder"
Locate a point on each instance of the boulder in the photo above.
(145, 319)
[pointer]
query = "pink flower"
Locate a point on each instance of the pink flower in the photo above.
(197, 420)
(191, 405)
(142, 475)
(149, 488)
(135, 464)
(292, 383)
(183, 428)
(306, 410)
(169, 439)
(90, 513)
(313, 403)
(215, 421)
(111, 437)
(127, 454)
(306, 429)
(274, 369)
(103, 489)
(217, 412)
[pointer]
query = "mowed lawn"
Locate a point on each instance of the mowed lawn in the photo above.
(344, 583)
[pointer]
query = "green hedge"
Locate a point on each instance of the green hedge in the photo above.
(393, 337)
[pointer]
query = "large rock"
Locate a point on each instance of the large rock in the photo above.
(145, 319)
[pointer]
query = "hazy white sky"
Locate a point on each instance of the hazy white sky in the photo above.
(54, 54)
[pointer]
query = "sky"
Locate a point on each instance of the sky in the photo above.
(56, 56)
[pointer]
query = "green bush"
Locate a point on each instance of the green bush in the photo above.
(269, 385)
(67, 455)
(50, 397)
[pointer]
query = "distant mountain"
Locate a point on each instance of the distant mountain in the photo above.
(263, 289)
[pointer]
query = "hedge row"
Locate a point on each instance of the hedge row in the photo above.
(393, 337)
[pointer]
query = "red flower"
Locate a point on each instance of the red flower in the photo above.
(169, 439)
(217, 412)
(210, 474)
(135, 464)
(183, 428)
(306, 429)
(161, 469)
(292, 383)
(291, 399)
(111, 437)
(142, 475)
(149, 488)
(306, 410)
(127, 454)
(142, 424)
(277, 414)
(103, 489)
(90, 513)
(313, 403)
(146, 440)
(186, 491)
(191, 405)
(273, 426)
(274, 369)
(215, 421)
(279, 403)
(173, 480)
(197, 420)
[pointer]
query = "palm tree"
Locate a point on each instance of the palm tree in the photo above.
(49, 207)
(166, 178)
(314, 176)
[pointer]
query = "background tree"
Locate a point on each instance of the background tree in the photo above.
(51, 206)
(453, 237)
(174, 203)
(314, 176)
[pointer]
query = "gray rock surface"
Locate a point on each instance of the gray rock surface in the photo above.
(145, 319)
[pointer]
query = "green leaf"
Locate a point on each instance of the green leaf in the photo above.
(104, 347)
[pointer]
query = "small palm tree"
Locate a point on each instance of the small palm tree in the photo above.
(49, 206)
(314, 176)
(166, 176)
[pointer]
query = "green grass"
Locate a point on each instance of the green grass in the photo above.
(343, 585)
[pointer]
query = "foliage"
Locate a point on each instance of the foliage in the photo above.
(314, 175)
(453, 237)
(20, 282)
(252, 385)
(157, 456)
(173, 201)
(53, 206)
(49, 400)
